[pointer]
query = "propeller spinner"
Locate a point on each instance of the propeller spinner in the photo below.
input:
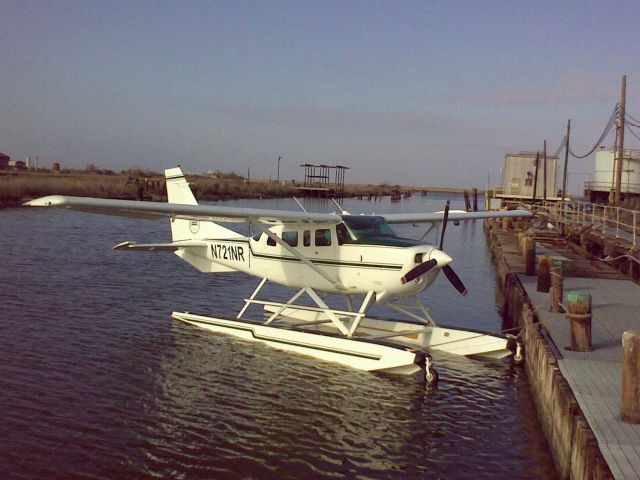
(438, 258)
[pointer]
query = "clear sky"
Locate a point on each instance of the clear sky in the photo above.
(427, 93)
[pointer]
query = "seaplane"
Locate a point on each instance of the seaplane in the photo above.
(320, 256)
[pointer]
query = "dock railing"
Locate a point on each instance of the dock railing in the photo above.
(611, 221)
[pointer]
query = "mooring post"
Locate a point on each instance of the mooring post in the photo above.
(544, 277)
(555, 291)
(474, 192)
(506, 221)
(579, 316)
(630, 403)
(529, 255)
(467, 203)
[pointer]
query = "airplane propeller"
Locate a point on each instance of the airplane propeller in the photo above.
(438, 256)
(448, 271)
(421, 269)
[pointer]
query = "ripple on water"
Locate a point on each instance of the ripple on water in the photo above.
(99, 382)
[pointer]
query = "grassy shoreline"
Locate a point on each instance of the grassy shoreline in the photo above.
(19, 187)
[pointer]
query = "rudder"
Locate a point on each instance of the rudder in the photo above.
(178, 191)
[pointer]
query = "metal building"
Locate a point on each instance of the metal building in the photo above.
(519, 175)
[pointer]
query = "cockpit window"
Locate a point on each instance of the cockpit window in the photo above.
(362, 227)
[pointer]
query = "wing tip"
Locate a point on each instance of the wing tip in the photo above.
(123, 246)
(48, 201)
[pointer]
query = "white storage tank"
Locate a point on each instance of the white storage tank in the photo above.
(604, 174)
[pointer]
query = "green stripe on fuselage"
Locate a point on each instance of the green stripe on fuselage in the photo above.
(385, 241)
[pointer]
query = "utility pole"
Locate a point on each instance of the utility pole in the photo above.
(535, 177)
(544, 172)
(566, 161)
(564, 171)
(620, 149)
(279, 158)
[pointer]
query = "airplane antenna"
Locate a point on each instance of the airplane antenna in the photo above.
(344, 212)
(298, 202)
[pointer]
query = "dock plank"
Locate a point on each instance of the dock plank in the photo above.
(595, 377)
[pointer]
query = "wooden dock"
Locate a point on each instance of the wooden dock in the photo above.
(578, 394)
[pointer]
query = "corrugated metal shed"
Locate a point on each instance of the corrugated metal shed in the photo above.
(519, 174)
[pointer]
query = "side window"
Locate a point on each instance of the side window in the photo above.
(271, 242)
(342, 233)
(291, 238)
(323, 237)
(306, 238)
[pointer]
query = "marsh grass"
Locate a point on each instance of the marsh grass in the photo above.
(18, 187)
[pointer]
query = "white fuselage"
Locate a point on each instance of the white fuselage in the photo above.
(355, 268)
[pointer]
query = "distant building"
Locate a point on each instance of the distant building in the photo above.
(31, 162)
(55, 167)
(17, 165)
(4, 161)
(519, 175)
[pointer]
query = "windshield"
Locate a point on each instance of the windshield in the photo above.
(366, 226)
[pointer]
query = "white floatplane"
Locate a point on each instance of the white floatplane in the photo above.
(354, 256)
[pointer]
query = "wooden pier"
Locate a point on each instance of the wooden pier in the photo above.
(578, 394)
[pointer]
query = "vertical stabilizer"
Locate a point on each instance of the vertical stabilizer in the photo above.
(178, 191)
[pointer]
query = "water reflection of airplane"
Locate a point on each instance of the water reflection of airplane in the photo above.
(354, 256)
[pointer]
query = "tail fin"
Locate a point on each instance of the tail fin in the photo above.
(178, 191)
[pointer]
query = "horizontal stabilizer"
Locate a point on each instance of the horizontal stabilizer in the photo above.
(160, 247)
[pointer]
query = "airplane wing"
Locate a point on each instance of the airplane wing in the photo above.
(157, 210)
(454, 215)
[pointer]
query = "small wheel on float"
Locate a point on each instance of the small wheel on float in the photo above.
(431, 376)
(518, 358)
(430, 373)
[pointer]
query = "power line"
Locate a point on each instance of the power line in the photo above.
(630, 130)
(629, 122)
(563, 142)
(605, 132)
(626, 114)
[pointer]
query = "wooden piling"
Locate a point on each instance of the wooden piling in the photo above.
(467, 203)
(529, 255)
(474, 192)
(573, 445)
(555, 292)
(579, 316)
(506, 222)
(630, 403)
(544, 277)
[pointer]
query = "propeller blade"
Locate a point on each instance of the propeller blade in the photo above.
(454, 279)
(445, 218)
(419, 270)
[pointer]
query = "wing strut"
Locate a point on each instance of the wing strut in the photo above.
(299, 256)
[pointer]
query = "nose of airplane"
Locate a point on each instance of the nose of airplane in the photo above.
(439, 256)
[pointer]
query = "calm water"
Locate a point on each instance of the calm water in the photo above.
(97, 381)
